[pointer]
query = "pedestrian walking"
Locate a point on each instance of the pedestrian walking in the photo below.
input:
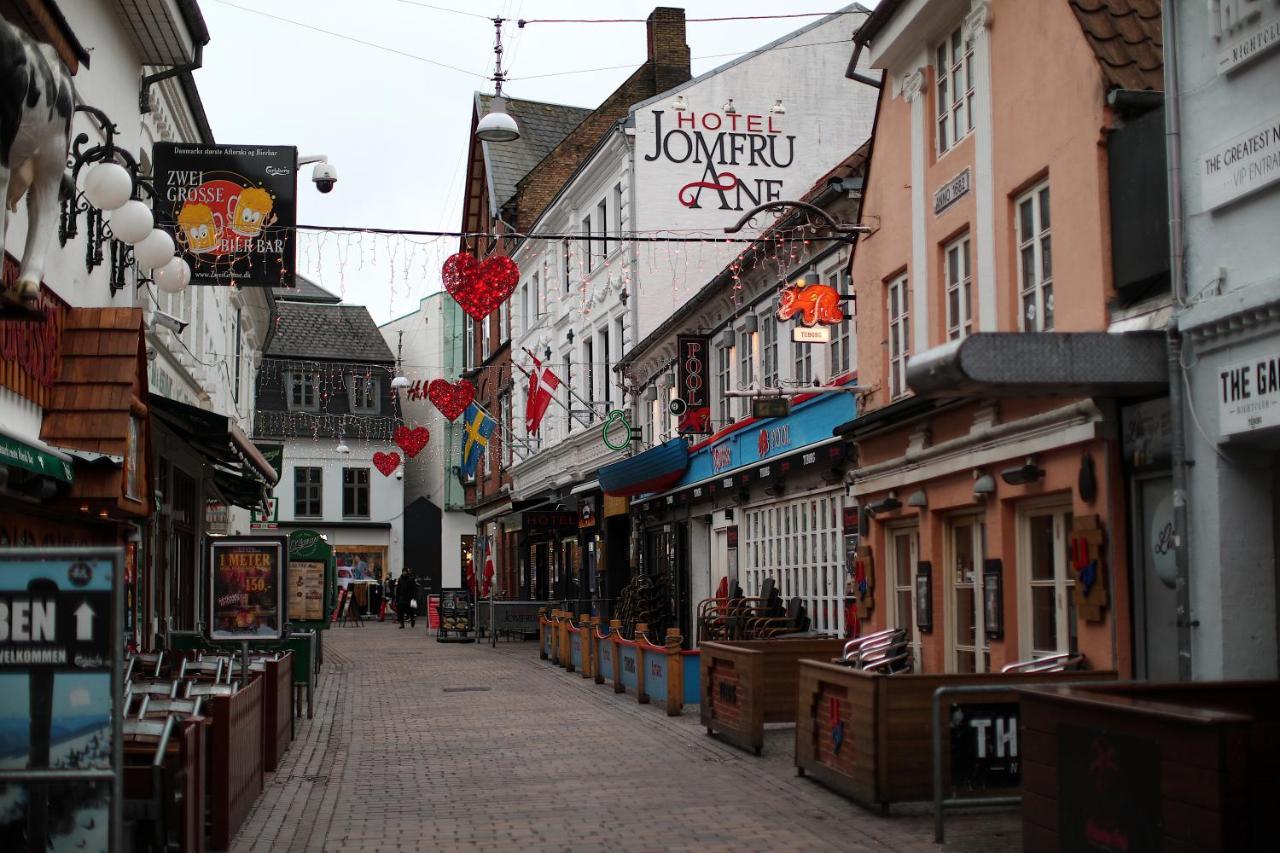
(407, 598)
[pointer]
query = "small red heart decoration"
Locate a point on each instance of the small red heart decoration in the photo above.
(479, 287)
(387, 463)
(451, 399)
(411, 441)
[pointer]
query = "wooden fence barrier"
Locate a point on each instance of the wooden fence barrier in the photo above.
(236, 758)
(277, 710)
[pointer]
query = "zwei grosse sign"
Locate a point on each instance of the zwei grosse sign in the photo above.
(231, 209)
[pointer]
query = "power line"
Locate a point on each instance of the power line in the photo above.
(445, 9)
(523, 22)
(345, 37)
(692, 59)
(631, 237)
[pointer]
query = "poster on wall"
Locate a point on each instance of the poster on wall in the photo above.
(245, 588)
(61, 649)
(231, 210)
(360, 562)
(306, 590)
(691, 381)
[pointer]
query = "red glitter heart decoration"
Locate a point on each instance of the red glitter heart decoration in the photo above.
(387, 463)
(411, 441)
(451, 399)
(479, 287)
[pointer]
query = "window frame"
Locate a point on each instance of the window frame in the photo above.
(1040, 205)
(950, 109)
(308, 380)
(746, 369)
(589, 256)
(306, 500)
(1066, 632)
(839, 351)
(896, 618)
(958, 282)
(980, 647)
(724, 381)
(353, 488)
(602, 213)
(372, 404)
(900, 322)
(566, 250)
(617, 216)
(769, 376)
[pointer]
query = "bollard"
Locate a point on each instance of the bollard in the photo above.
(542, 633)
(568, 642)
(675, 673)
(585, 640)
(594, 635)
(642, 639)
(615, 634)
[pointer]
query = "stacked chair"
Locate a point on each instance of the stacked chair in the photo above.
(887, 652)
(733, 616)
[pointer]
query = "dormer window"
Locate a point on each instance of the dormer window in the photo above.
(303, 395)
(363, 394)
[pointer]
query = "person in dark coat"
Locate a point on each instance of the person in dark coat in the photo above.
(406, 595)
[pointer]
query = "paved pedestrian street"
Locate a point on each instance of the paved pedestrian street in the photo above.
(424, 746)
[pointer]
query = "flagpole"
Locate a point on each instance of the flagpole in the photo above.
(567, 385)
(508, 436)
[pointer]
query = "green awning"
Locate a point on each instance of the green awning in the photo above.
(39, 460)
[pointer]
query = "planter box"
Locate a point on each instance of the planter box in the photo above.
(235, 756)
(1171, 767)
(277, 710)
(749, 683)
(885, 755)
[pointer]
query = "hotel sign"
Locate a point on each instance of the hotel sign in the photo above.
(1242, 165)
(1243, 30)
(1249, 396)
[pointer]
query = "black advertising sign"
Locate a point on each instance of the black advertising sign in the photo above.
(246, 590)
(984, 747)
(232, 210)
(692, 371)
(1109, 791)
(61, 651)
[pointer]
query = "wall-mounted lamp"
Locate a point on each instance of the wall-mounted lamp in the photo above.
(750, 324)
(400, 382)
(680, 104)
(651, 394)
(546, 353)
(729, 108)
(918, 499)
(727, 338)
(668, 380)
(342, 447)
(568, 336)
(1027, 472)
(778, 109)
(983, 484)
(889, 504)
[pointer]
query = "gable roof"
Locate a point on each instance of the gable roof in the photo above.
(1127, 39)
(305, 290)
(327, 332)
(542, 126)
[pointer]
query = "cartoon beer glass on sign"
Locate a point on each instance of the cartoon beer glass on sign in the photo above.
(197, 224)
(250, 210)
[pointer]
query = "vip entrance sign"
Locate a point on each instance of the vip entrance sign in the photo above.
(61, 654)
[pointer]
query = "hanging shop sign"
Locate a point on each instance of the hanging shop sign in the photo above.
(815, 304)
(267, 518)
(691, 380)
(246, 588)
(60, 663)
(1249, 396)
(232, 210)
(616, 432)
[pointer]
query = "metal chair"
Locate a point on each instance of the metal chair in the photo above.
(162, 689)
(203, 670)
(151, 810)
(1059, 662)
(164, 707)
(205, 688)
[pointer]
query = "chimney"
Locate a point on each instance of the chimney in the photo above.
(667, 47)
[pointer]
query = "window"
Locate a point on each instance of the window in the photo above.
(468, 341)
(303, 395)
(504, 321)
(602, 224)
(768, 351)
(362, 393)
(564, 248)
(568, 387)
(899, 337)
(307, 493)
(588, 253)
(606, 374)
(355, 492)
(1035, 260)
(617, 214)
(803, 354)
(746, 372)
(724, 380)
(965, 547)
(239, 344)
(589, 381)
(903, 548)
(954, 72)
(1048, 596)
(799, 545)
(959, 288)
(842, 334)
(504, 406)
(486, 335)
(526, 317)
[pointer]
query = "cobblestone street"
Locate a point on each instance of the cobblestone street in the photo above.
(424, 746)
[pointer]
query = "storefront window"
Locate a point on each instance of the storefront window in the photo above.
(1048, 595)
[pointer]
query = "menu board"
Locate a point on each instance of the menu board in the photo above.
(245, 589)
(306, 590)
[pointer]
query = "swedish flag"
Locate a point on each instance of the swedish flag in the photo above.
(477, 426)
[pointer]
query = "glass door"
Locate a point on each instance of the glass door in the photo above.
(966, 544)
(1049, 599)
(904, 549)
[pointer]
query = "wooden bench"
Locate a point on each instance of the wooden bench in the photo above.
(748, 683)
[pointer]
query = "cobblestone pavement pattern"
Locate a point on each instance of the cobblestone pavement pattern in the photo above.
(399, 757)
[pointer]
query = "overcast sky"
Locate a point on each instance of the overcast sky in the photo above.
(396, 125)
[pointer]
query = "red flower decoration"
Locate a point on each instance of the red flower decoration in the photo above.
(451, 399)
(479, 287)
(411, 441)
(387, 463)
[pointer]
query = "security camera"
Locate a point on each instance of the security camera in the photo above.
(170, 322)
(399, 475)
(324, 175)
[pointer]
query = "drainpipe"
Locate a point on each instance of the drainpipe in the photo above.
(1173, 153)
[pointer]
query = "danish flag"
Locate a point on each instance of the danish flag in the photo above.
(542, 388)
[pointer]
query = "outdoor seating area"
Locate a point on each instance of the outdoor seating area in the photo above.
(200, 729)
(733, 616)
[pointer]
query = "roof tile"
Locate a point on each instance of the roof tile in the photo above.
(1127, 40)
(542, 126)
(327, 332)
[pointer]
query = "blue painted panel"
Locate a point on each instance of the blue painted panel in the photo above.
(692, 679)
(655, 676)
(630, 666)
(575, 650)
(546, 641)
(605, 650)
